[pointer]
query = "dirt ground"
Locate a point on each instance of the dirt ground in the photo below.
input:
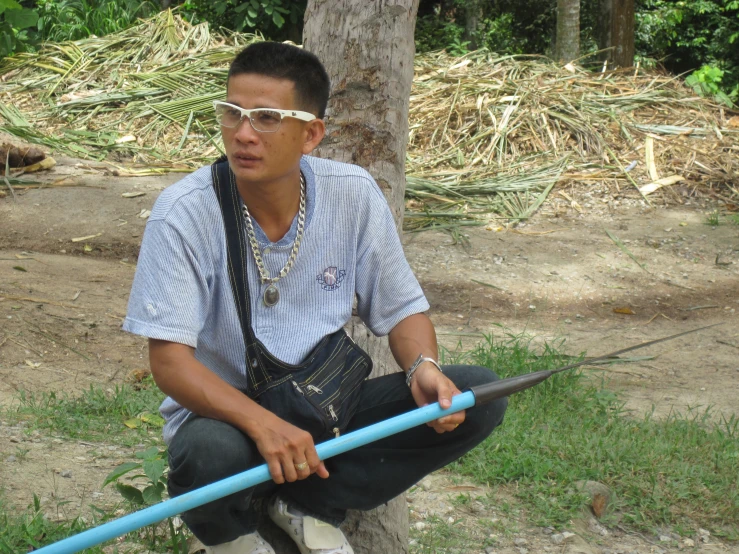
(560, 276)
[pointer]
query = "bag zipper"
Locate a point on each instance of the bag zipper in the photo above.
(318, 408)
(330, 408)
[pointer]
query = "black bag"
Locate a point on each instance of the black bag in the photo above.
(321, 394)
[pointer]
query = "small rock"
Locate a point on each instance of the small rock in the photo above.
(426, 485)
(66, 473)
(690, 543)
(567, 535)
(450, 520)
(419, 525)
(520, 542)
(547, 531)
(490, 550)
(14, 439)
(523, 550)
(558, 538)
(568, 321)
(11, 459)
(578, 316)
(664, 538)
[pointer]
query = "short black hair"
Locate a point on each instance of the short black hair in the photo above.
(285, 61)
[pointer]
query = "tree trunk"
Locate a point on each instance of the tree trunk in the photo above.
(568, 30)
(616, 31)
(368, 50)
(472, 17)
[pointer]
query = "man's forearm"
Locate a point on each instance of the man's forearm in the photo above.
(413, 336)
(191, 384)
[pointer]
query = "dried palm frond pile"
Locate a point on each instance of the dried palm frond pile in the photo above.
(487, 134)
(145, 93)
(481, 125)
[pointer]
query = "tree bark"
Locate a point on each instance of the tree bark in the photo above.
(568, 30)
(368, 50)
(472, 17)
(616, 32)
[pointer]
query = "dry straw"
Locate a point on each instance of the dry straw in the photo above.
(488, 134)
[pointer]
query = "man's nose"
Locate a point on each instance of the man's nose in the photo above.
(245, 132)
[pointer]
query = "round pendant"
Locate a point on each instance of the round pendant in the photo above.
(271, 296)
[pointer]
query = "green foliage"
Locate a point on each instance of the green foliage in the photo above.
(62, 20)
(680, 470)
(507, 27)
(706, 81)
(434, 33)
(275, 19)
(16, 27)
(687, 35)
(151, 470)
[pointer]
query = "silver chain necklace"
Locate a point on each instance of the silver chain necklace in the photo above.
(271, 294)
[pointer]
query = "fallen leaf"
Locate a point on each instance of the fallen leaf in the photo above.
(133, 423)
(88, 237)
(144, 213)
(87, 248)
(46, 163)
(659, 183)
(137, 375)
(20, 268)
(34, 365)
(625, 311)
(733, 122)
(132, 194)
(599, 505)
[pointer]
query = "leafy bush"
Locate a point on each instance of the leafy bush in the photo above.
(61, 20)
(275, 19)
(706, 81)
(690, 35)
(16, 27)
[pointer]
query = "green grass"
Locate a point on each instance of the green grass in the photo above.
(679, 471)
(20, 532)
(713, 218)
(123, 415)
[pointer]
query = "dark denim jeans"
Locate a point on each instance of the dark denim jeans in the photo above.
(205, 450)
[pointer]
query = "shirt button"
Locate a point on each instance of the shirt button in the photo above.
(266, 251)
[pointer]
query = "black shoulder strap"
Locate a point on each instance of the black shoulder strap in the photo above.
(233, 223)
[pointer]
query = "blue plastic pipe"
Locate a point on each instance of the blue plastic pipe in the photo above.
(250, 478)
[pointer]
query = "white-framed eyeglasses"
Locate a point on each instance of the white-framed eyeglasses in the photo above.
(264, 120)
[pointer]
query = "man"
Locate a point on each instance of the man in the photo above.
(319, 235)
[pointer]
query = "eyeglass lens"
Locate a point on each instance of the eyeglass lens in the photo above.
(261, 120)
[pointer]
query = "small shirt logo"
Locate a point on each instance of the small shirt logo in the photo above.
(331, 278)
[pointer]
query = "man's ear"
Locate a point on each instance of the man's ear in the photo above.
(313, 134)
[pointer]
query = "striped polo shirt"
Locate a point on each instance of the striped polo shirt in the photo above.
(350, 248)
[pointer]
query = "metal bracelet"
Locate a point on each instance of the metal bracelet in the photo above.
(415, 365)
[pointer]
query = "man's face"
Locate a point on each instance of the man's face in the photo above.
(257, 157)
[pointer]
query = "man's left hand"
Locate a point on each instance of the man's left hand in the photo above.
(429, 385)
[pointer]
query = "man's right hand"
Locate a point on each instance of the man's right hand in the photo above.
(289, 451)
(283, 446)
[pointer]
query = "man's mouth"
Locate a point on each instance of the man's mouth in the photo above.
(246, 157)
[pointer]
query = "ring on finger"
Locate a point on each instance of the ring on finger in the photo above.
(301, 466)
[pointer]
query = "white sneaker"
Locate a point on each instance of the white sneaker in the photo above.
(312, 536)
(252, 543)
